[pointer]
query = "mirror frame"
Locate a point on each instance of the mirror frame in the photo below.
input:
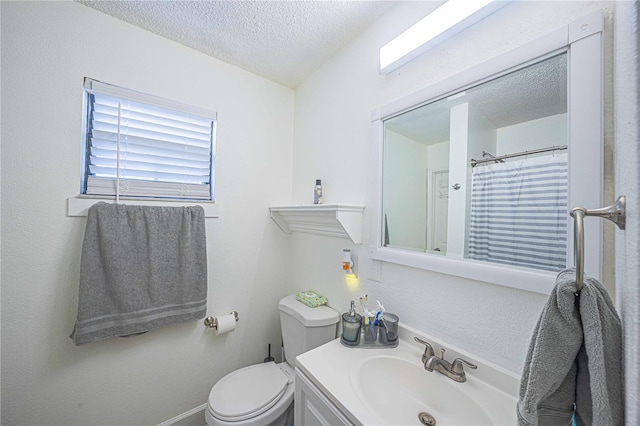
(582, 40)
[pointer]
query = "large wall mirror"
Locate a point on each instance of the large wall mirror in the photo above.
(478, 173)
(482, 174)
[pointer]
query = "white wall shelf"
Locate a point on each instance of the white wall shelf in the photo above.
(334, 220)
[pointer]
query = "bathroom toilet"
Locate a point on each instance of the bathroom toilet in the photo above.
(262, 394)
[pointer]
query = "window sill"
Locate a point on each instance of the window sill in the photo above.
(79, 206)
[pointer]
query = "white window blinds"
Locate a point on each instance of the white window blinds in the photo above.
(142, 146)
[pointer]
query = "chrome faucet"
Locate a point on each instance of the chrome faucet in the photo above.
(428, 350)
(453, 370)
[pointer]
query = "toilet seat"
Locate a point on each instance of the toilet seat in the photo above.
(248, 392)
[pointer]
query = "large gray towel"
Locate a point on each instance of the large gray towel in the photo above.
(142, 268)
(575, 357)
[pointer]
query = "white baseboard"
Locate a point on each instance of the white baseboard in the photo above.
(193, 417)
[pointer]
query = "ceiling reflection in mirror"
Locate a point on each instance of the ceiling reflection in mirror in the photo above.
(482, 173)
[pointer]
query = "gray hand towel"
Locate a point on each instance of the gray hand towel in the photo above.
(141, 268)
(574, 364)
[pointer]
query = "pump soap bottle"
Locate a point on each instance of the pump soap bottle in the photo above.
(351, 323)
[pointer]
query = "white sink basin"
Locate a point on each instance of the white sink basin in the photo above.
(398, 391)
(391, 387)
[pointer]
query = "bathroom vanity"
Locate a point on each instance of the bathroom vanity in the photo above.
(337, 385)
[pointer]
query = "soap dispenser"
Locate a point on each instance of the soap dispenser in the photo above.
(351, 324)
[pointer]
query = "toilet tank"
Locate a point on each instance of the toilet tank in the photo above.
(305, 328)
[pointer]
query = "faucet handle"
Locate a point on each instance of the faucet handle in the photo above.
(428, 350)
(457, 368)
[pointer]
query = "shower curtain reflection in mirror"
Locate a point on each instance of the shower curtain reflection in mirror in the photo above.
(519, 212)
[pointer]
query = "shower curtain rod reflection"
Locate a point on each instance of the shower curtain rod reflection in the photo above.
(517, 154)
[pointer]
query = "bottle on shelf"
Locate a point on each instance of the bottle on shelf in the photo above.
(317, 192)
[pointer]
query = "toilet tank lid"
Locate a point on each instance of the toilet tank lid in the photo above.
(310, 317)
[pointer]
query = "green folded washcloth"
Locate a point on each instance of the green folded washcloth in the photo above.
(311, 299)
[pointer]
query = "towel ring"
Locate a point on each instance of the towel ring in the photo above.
(615, 213)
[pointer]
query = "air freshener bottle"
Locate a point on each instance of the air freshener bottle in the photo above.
(317, 192)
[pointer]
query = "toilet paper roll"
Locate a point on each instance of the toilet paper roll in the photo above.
(226, 324)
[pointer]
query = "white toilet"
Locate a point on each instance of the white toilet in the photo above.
(262, 394)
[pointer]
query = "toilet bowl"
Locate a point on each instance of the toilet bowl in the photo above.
(262, 394)
(257, 395)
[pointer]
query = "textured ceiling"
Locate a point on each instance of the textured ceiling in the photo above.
(282, 41)
(537, 91)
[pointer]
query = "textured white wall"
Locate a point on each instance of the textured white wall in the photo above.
(438, 156)
(47, 49)
(627, 47)
(333, 142)
(405, 182)
(534, 134)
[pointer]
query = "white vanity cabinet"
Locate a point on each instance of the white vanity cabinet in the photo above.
(312, 407)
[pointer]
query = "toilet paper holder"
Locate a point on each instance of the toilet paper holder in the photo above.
(212, 322)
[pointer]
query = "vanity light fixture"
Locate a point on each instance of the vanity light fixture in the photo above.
(441, 24)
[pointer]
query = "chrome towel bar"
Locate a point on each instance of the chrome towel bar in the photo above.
(615, 213)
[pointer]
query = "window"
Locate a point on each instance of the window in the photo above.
(138, 145)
